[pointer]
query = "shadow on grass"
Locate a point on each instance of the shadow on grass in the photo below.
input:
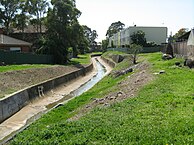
(75, 64)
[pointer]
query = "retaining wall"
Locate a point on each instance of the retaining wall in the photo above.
(109, 62)
(13, 103)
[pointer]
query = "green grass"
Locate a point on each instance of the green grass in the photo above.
(21, 67)
(161, 113)
(82, 59)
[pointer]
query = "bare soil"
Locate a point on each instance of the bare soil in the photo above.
(128, 88)
(13, 81)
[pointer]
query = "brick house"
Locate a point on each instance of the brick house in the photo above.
(8, 43)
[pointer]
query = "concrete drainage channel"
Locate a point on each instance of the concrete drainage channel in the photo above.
(83, 88)
(101, 70)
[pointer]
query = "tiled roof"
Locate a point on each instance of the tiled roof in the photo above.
(31, 29)
(6, 40)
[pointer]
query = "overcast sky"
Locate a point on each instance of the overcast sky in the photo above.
(99, 14)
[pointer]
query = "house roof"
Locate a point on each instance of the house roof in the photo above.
(31, 29)
(6, 40)
(191, 38)
(184, 36)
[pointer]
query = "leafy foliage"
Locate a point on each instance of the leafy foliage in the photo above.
(114, 28)
(138, 38)
(60, 19)
(134, 51)
(8, 10)
(105, 44)
(90, 35)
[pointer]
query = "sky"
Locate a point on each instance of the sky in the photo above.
(173, 14)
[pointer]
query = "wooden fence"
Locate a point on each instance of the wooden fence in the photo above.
(24, 58)
(181, 49)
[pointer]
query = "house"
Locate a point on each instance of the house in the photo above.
(8, 43)
(152, 34)
(184, 37)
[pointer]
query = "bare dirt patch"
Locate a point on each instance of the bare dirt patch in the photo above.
(15, 80)
(127, 89)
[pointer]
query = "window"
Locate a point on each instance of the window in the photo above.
(15, 49)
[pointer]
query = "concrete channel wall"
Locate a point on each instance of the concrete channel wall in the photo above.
(109, 62)
(13, 103)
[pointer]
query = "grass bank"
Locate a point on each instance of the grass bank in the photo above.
(82, 59)
(21, 67)
(161, 113)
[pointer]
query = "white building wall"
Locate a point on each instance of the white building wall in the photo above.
(154, 34)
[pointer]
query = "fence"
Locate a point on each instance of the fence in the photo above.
(24, 58)
(144, 50)
(181, 49)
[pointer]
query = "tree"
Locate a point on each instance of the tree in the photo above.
(114, 28)
(105, 44)
(134, 51)
(59, 22)
(139, 38)
(78, 40)
(38, 8)
(8, 11)
(181, 32)
(21, 19)
(90, 35)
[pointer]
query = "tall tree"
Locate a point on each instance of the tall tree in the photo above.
(22, 18)
(38, 8)
(59, 21)
(77, 39)
(8, 11)
(114, 28)
(90, 35)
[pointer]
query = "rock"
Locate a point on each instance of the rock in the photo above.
(119, 94)
(189, 63)
(59, 105)
(123, 72)
(112, 98)
(106, 104)
(117, 58)
(167, 56)
(2, 63)
(162, 72)
(177, 63)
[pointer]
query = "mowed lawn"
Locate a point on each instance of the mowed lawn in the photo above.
(82, 59)
(161, 113)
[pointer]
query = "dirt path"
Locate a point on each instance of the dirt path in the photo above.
(20, 119)
(127, 89)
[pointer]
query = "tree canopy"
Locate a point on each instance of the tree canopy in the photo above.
(114, 28)
(139, 38)
(180, 32)
(8, 11)
(63, 30)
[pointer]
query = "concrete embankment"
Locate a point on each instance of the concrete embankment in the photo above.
(13, 103)
(35, 108)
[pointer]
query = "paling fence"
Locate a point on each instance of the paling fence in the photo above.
(180, 49)
(24, 58)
